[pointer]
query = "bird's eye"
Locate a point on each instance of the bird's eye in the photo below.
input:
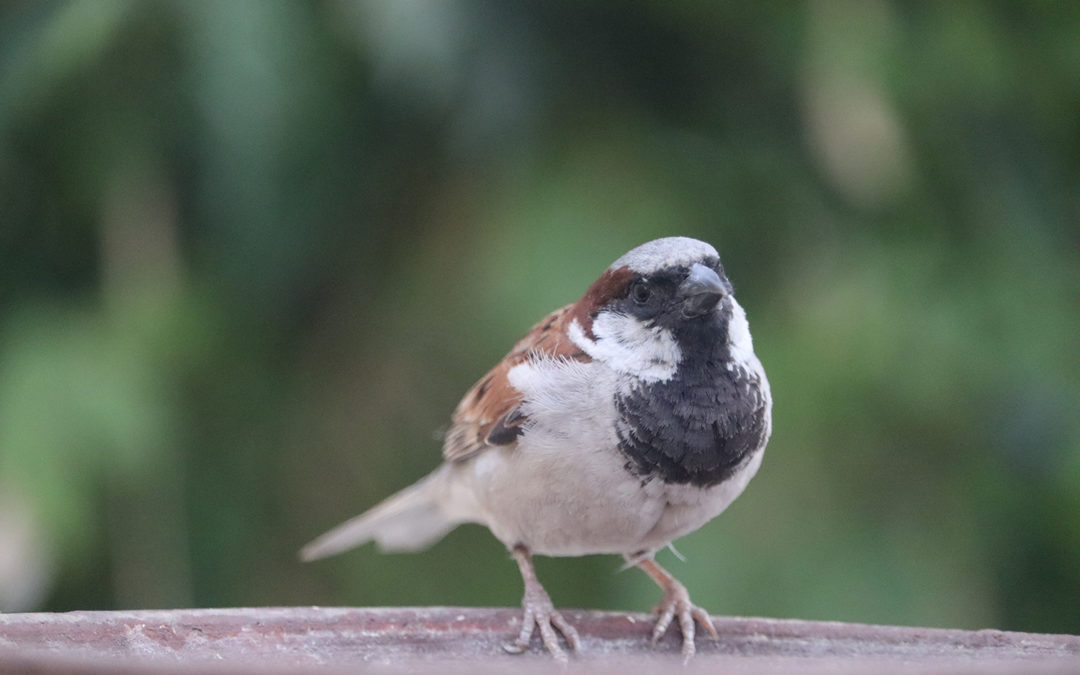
(641, 292)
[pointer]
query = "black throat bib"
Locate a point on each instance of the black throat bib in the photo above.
(699, 426)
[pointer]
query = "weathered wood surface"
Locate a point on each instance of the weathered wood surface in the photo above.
(442, 639)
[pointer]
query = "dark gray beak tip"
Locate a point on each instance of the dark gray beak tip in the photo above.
(701, 291)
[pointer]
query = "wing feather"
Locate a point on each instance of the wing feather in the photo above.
(489, 413)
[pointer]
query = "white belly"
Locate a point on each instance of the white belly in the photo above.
(564, 489)
(588, 503)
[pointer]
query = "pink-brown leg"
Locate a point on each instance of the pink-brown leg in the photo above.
(676, 603)
(540, 614)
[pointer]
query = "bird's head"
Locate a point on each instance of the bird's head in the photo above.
(655, 305)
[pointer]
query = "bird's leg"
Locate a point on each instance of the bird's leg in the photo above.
(676, 603)
(540, 613)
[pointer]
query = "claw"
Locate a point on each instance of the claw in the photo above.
(676, 603)
(540, 614)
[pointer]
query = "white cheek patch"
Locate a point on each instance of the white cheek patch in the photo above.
(628, 346)
(739, 341)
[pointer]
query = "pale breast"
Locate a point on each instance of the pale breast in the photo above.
(565, 488)
(562, 489)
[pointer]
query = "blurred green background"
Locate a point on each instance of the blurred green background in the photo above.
(252, 252)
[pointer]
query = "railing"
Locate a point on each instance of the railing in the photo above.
(446, 639)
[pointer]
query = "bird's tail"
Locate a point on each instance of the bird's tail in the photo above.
(407, 521)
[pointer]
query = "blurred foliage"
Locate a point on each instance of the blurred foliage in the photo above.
(251, 253)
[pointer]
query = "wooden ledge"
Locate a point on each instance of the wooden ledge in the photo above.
(447, 639)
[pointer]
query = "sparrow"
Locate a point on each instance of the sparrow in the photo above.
(618, 424)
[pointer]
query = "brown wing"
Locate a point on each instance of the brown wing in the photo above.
(489, 413)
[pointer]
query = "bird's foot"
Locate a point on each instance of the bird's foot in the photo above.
(676, 603)
(541, 614)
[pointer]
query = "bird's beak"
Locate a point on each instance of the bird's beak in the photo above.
(701, 291)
